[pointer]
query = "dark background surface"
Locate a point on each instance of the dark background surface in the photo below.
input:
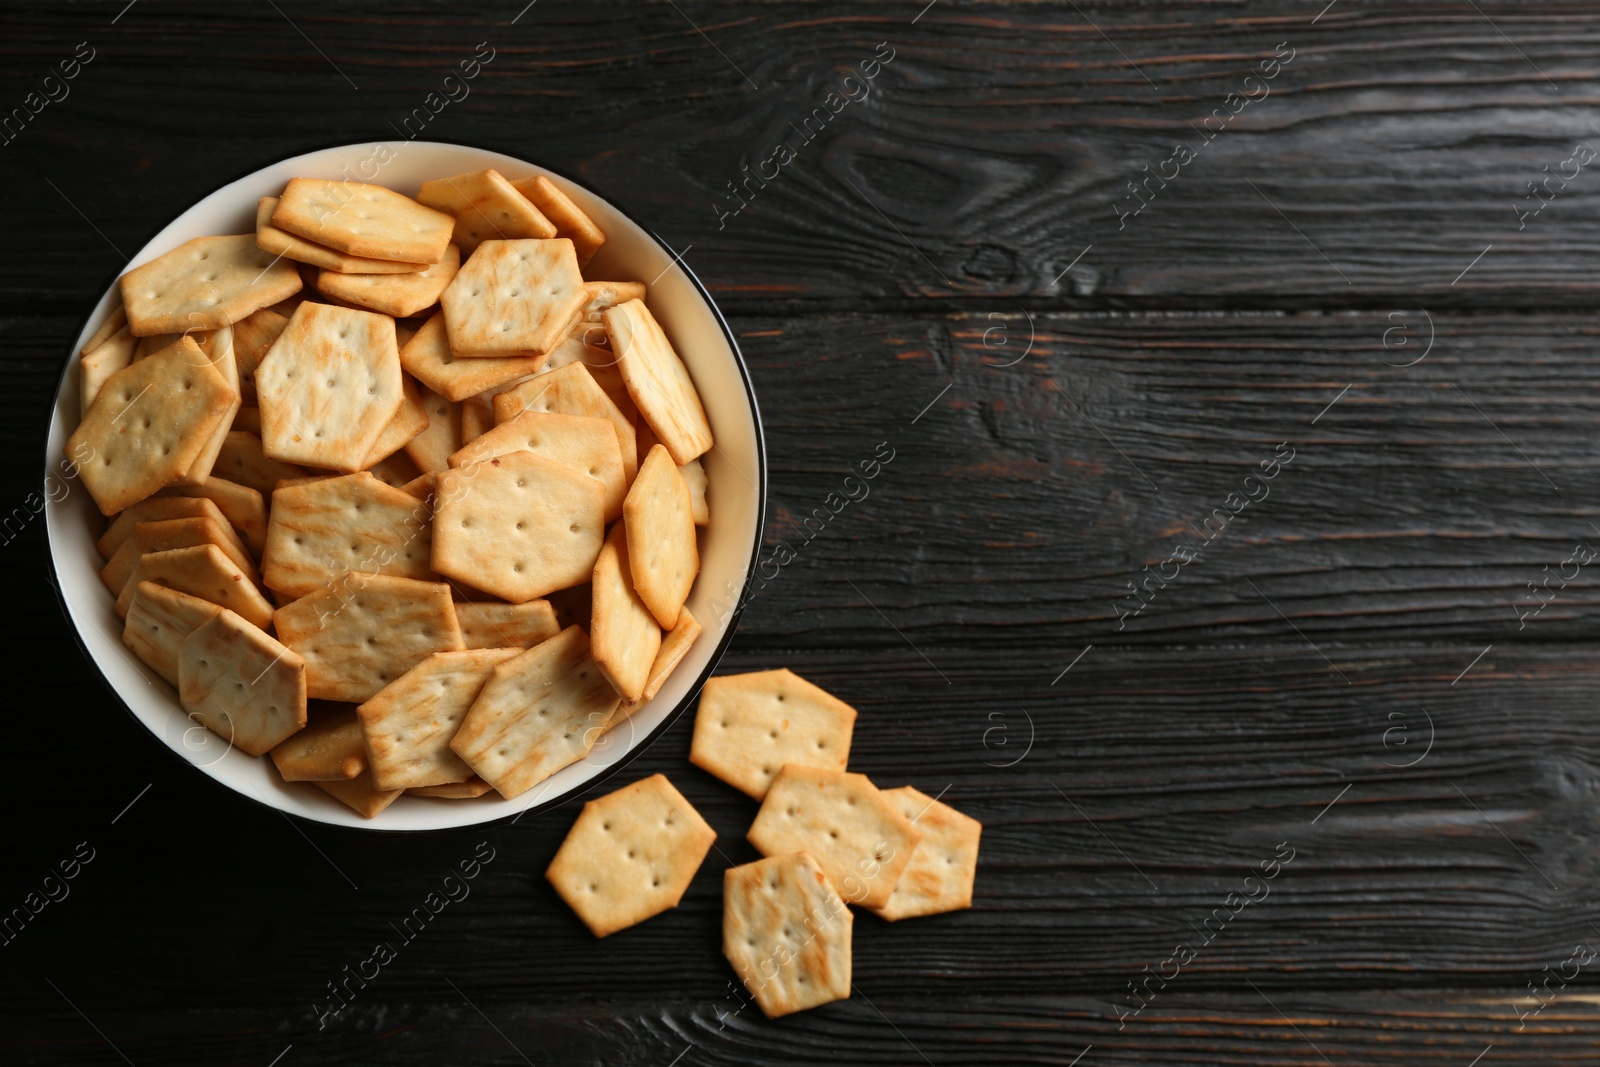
(1343, 670)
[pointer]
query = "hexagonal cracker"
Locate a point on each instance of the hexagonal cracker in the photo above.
(630, 855)
(749, 725)
(320, 530)
(943, 865)
(205, 284)
(241, 684)
(787, 933)
(513, 298)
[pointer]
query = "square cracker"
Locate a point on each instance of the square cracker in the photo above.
(430, 449)
(625, 635)
(630, 855)
(942, 868)
(567, 218)
(165, 534)
(517, 526)
(513, 298)
(241, 684)
(585, 445)
(358, 634)
(674, 646)
(328, 386)
(571, 390)
(98, 364)
(363, 220)
(242, 460)
(399, 295)
(749, 725)
(658, 381)
(202, 571)
(489, 625)
(787, 933)
(408, 725)
(662, 546)
(156, 509)
(485, 206)
(285, 244)
(321, 530)
(148, 424)
(243, 507)
(158, 620)
(329, 749)
(537, 713)
(858, 836)
(428, 358)
(467, 790)
(409, 419)
(360, 795)
(205, 284)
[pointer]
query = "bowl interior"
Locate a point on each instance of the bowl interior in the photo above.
(735, 470)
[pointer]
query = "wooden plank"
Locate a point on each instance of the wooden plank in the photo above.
(1390, 148)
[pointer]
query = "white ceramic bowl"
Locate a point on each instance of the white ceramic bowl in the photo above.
(735, 468)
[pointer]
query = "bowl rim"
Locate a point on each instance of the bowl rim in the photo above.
(689, 697)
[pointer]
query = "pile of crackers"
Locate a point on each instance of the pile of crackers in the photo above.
(830, 838)
(396, 494)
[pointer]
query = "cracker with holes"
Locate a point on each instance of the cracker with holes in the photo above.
(363, 220)
(567, 219)
(625, 635)
(581, 444)
(630, 855)
(538, 713)
(409, 419)
(658, 381)
(858, 836)
(485, 206)
(517, 526)
(513, 298)
(321, 530)
(203, 571)
(674, 646)
(359, 633)
(158, 620)
(241, 684)
(428, 358)
(205, 284)
(243, 460)
(283, 243)
(942, 868)
(328, 387)
(599, 361)
(431, 448)
(409, 723)
(148, 425)
(329, 749)
(493, 625)
(97, 365)
(218, 348)
(165, 534)
(787, 933)
(571, 390)
(749, 725)
(400, 295)
(253, 337)
(663, 549)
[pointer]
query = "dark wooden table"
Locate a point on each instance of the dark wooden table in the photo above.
(1342, 665)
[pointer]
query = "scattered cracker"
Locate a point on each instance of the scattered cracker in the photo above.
(360, 795)
(320, 530)
(409, 419)
(409, 723)
(428, 358)
(513, 298)
(148, 424)
(328, 387)
(940, 875)
(787, 933)
(538, 713)
(283, 243)
(241, 684)
(567, 218)
(363, 220)
(517, 526)
(165, 534)
(630, 855)
(97, 365)
(585, 445)
(242, 460)
(329, 749)
(243, 507)
(674, 646)
(625, 635)
(571, 390)
(658, 381)
(359, 634)
(158, 620)
(399, 295)
(205, 284)
(663, 550)
(485, 206)
(467, 790)
(858, 836)
(430, 450)
(488, 625)
(750, 725)
(203, 571)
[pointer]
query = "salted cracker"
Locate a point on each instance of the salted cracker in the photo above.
(787, 933)
(363, 220)
(156, 509)
(585, 445)
(244, 508)
(674, 646)
(513, 298)
(408, 420)
(494, 625)
(358, 634)
(624, 634)
(203, 571)
(571, 390)
(537, 713)
(942, 869)
(630, 855)
(428, 358)
(253, 337)
(858, 836)
(204, 284)
(111, 325)
(163, 535)
(400, 295)
(283, 243)
(241, 684)
(158, 620)
(98, 364)
(567, 218)
(658, 381)
(360, 795)
(663, 549)
(328, 387)
(485, 206)
(598, 296)
(407, 726)
(243, 460)
(749, 725)
(329, 749)
(431, 448)
(217, 346)
(353, 524)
